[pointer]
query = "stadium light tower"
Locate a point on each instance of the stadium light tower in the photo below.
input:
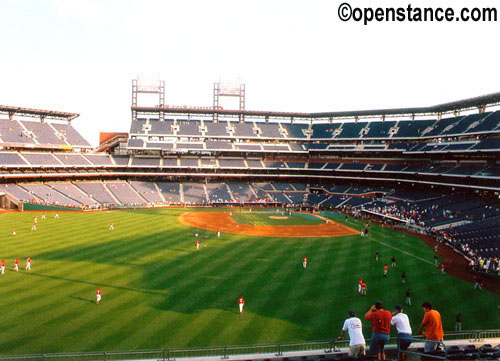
(143, 85)
(233, 89)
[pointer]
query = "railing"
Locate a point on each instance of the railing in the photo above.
(224, 352)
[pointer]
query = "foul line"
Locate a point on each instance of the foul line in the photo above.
(400, 250)
(397, 249)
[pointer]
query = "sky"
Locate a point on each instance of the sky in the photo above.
(81, 56)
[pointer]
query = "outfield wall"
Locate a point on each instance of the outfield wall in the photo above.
(45, 207)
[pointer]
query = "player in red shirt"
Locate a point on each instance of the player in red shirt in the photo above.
(13, 231)
(197, 244)
(16, 265)
(241, 303)
(359, 284)
(2, 265)
(304, 262)
(33, 226)
(363, 289)
(28, 264)
(98, 295)
(43, 215)
(218, 232)
(385, 270)
(441, 267)
(111, 227)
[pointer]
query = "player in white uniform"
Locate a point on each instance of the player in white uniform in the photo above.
(98, 295)
(241, 303)
(304, 262)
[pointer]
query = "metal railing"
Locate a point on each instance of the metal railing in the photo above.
(224, 352)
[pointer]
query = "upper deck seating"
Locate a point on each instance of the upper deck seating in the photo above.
(12, 132)
(72, 136)
(11, 158)
(189, 127)
(295, 130)
(44, 133)
(216, 129)
(269, 130)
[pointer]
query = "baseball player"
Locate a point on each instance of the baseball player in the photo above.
(241, 303)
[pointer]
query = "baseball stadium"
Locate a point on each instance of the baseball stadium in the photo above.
(212, 233)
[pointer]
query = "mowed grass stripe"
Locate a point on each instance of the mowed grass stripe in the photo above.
(160, 292)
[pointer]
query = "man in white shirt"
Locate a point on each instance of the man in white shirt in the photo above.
(402, 323)
(357, 344)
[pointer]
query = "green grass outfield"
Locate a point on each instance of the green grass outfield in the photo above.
(263, 218)
(159, 292)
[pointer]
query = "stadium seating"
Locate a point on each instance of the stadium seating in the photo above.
(42, 159)
(272, 162)
(194, 193)
(11, 158)
(73, 192)
(123, 192)
(219, 193)
(71, 135)
(98, 192)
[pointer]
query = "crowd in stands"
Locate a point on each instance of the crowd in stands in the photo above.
(382, 320)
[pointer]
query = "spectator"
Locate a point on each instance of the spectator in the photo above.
(357, 344)
(402, 323)
(478, 283)
(433, 327)
(458, 322)
(381, 327)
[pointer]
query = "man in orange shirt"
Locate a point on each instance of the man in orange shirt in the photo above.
(433, 327)
(385, 270)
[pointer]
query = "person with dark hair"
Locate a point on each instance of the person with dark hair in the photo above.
(381, 327)
(433, 327)
(393, 261)
(357, 344)
(403, 277)
(402, 323)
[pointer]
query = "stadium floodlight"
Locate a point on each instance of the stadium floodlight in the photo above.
(229, 88)
(148, 85)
